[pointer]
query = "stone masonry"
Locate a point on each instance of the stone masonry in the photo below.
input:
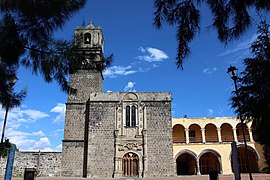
(45, 163)
(113, 134)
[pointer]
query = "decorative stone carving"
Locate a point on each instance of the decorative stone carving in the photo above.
(121, 149)
(130, 132)
(131, 145)
(130, 97)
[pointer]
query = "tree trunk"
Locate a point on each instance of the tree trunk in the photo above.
(4, 125)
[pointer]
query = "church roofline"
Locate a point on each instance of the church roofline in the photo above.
(142, 96)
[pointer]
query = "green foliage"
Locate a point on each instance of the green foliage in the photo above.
(26, 38)
(9, 98)
(5, 148)
(254, 86)
(231, 19)
(26, 29)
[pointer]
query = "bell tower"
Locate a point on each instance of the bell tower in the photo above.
(87, 77)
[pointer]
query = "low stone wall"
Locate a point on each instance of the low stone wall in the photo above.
(45, 163)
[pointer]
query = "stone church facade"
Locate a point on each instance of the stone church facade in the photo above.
(113, 134)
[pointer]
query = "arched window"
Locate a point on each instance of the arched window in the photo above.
(131, 116)
(87, 38)
(128, 116)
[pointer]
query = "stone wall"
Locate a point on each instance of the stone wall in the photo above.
(46, 163)
(85, 81)
(158, 150)
(73, 143)
(72, 159)
(159, 139)
(101, 139)
(74, 122)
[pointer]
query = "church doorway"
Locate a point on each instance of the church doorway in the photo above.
(130, 165)
(186, 164)
(209, 162)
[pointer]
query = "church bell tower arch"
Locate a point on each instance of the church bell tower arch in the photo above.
(87, 77)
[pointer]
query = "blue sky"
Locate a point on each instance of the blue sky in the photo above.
(144, 61)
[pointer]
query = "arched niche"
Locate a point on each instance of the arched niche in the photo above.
(130, 97)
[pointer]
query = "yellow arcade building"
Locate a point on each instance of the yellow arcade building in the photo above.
(201, 145)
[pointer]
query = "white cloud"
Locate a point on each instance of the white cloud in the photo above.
(22, 120)
(209, 71)
(42, 144)
(115, 71)
(60, 108)
(56, 133)
(11, 124)
(141, 49)
(19, 123)
(23, 115)
(25, 143)
(13, 133)
(34, 114)
(19, 118)
(38, 133)
(149, 54)
(210, 112)
(58, 148)
(148, 68)
(21, 139)
(242, 47)
(130, 87)
(15, 113)
(152, 54)
(59, 130)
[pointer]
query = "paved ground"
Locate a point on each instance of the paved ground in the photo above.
(203, 177)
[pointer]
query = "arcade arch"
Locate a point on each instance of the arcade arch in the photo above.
(195, 135)
(179, 135)
(186, 163)
(226, 132)
(211, 133)
(253, 160)
(209, 161)
(239, 132)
